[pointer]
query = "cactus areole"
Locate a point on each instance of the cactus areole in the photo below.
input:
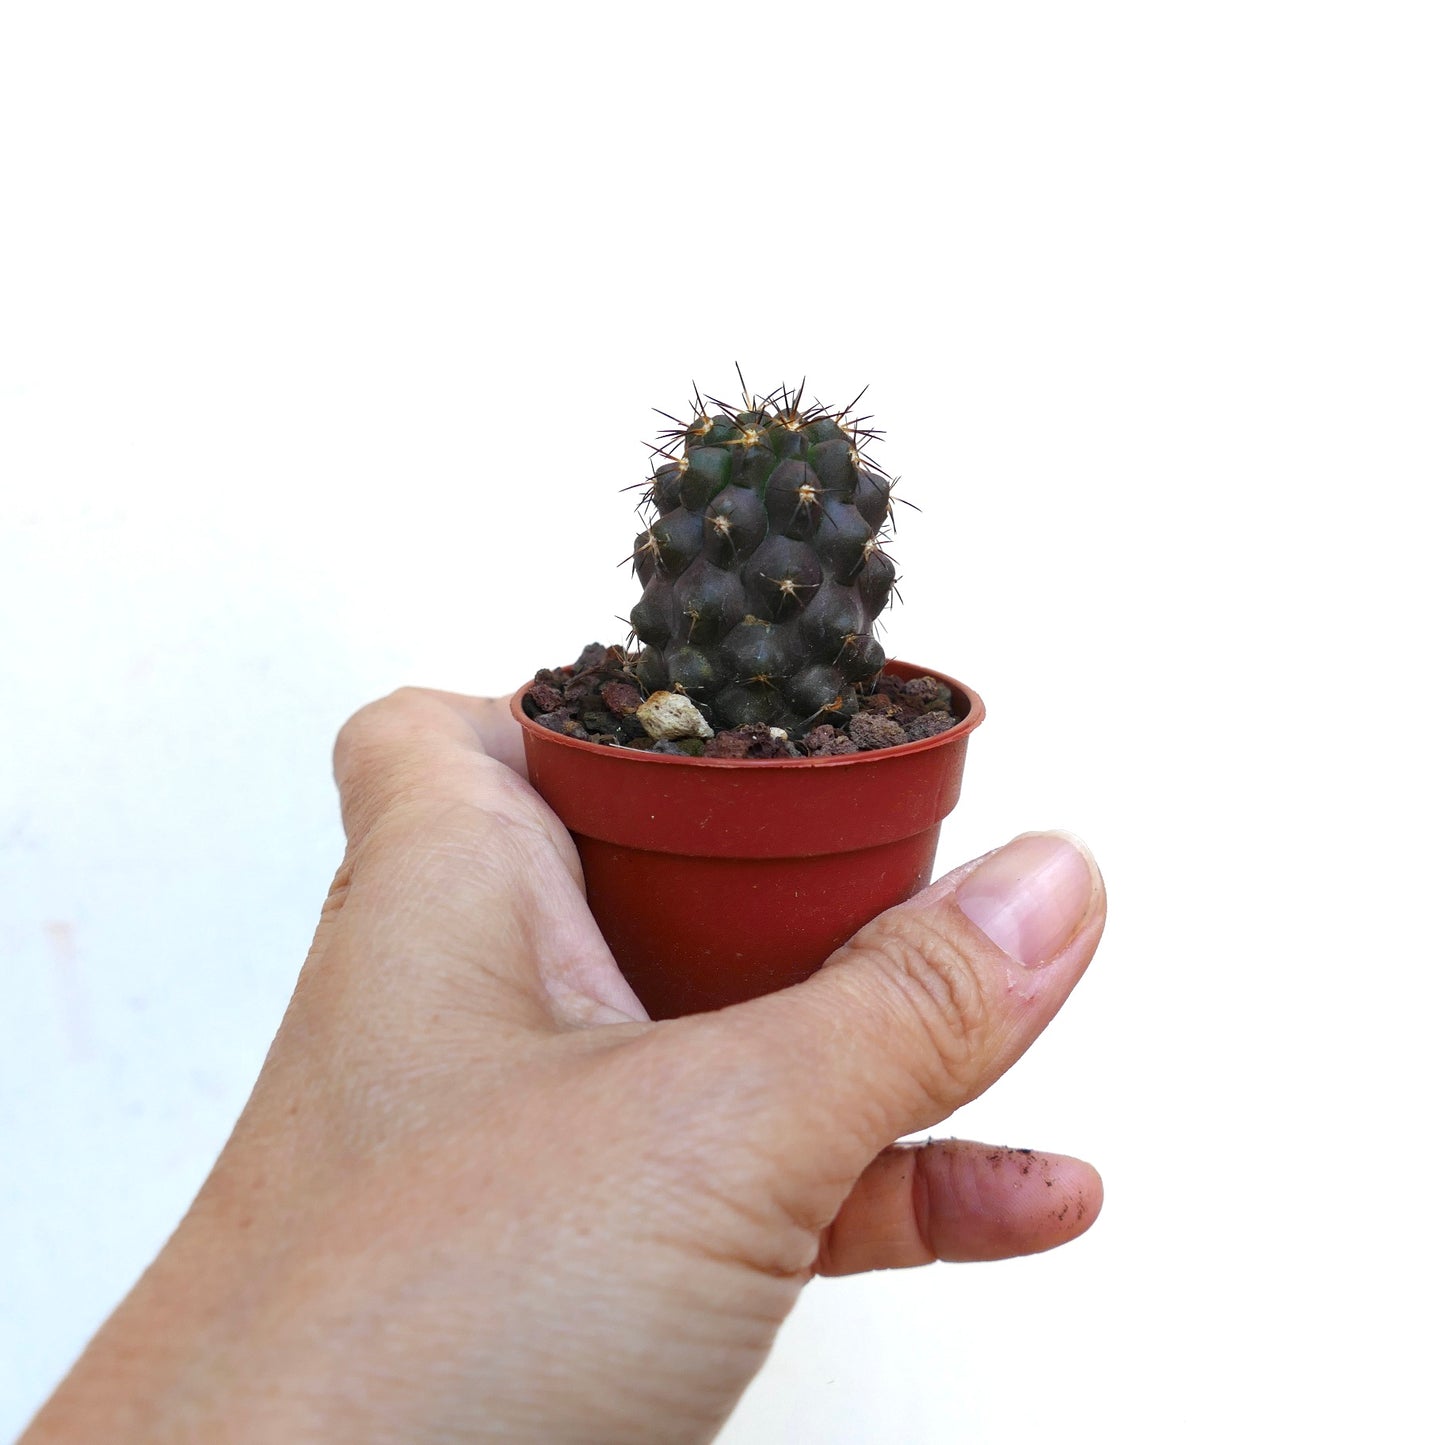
(756, 780)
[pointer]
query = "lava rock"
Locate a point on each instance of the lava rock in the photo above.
(880, 703)
(923, 689)
(621, 698)
(731, 743)
(564, 723)
(592, 656)
(600, 721)
(870, 732)
(929, 725)
(751, 740)
(828, 742)
(543, 697)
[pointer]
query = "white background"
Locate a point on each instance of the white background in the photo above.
(327, 337)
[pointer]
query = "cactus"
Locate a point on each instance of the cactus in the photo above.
(763, 568)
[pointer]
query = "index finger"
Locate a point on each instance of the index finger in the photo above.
(496, 728)
(457, 863)
(420, 739)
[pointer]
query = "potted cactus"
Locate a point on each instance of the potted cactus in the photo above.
(756, 780)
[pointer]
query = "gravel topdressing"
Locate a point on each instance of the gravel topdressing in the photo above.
(597, 700)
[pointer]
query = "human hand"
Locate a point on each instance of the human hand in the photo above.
(476, 1194)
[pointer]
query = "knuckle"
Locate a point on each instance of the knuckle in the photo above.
(370, 757)
(928, 970)
(406, 767)
(371, 726)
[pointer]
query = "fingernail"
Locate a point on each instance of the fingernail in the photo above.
(1031, 897)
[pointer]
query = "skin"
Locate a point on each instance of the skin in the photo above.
(477, 1195)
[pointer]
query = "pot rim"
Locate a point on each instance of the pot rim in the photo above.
(961, 729)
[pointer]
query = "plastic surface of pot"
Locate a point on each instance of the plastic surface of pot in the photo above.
(715, 880)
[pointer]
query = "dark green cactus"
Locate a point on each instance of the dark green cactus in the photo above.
(763, 569)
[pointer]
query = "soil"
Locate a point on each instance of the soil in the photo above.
(596, 698)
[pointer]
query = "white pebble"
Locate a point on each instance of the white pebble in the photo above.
(672, 715)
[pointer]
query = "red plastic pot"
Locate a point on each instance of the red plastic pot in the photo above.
(716, 880)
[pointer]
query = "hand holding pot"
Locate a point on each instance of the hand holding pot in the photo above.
(477, 1194)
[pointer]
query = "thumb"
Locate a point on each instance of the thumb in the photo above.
(929, 1004)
